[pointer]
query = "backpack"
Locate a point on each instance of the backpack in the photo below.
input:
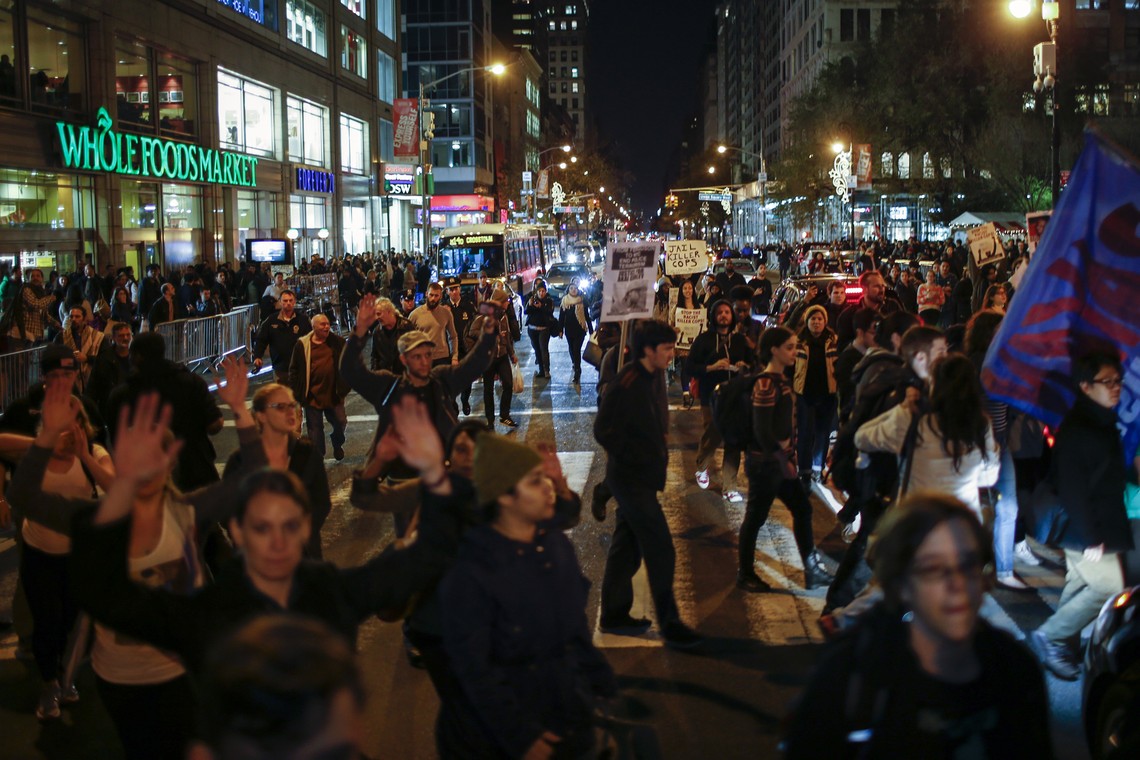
(879, 477)
(732, 409)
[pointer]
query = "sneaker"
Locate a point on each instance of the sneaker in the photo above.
(815, 574)
(48, 706)
(1058, 659)
(703, 479)
(1012, 582)
(69, 695)
(625, 626)
(598, 499)
(677, 635)
(752, 582)
(733, 497)
(338, 453)
(687, 400)
(508, 422)
(1023, 553)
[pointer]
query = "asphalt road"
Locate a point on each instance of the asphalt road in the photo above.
(726, 702)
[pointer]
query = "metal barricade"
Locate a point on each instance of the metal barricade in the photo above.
(19, 371)
(207, 340)
(314, 290)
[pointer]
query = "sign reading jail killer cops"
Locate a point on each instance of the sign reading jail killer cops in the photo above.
(686, 256)
(631, 269)
(985, 244)
(100, 149)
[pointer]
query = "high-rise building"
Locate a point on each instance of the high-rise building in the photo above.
(566, 24)
(453, 42)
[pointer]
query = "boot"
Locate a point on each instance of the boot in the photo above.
(815, 574)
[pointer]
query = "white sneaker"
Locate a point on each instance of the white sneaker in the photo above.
(1022, 552)
(733, 497)
(1011, 581)
(703, 479)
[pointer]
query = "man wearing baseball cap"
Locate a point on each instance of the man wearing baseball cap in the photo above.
(436, 387)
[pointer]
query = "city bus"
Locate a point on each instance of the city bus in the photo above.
(511, 252)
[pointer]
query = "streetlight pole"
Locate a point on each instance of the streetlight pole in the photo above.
(426, 135)
(1045, 78)
(761, 179)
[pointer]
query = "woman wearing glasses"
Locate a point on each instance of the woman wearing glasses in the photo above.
(277, 415)
(923, 675)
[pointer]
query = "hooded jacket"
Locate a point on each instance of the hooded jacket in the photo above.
(710, 346)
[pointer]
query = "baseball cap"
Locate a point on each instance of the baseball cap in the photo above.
(55, 357)
(413, 339)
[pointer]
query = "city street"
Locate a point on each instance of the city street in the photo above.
(725, 701)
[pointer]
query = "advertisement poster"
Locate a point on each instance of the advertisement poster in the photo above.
(686, 257)
(862, 171)
(405, 136)
(628, 278)
(689, 323)
(985, 244)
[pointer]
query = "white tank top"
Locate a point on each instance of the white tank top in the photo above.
(73, 484)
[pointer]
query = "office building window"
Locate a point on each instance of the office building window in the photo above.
(354, 158)
(386, 77)
(452, 153)
(133, 83)
(574, 25)
(570, 10)
(887, 161)
(574, 56)
(308, 212)
(574, 72)
(56, 60)
(552, 26)
(574, 102)
(574, 87)
(356, 6)
(307, 125)
(846, 24)
(245, 114)
(863, 24)
(386, 18)
(904, 166)
(533, 125)
(353, 52)
(565, 87)
(387, 141)
(553, 88)
(306, 26)
(177, 88)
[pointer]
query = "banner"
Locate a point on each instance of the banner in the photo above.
(542, 189)
(862, 163)
(406, 135)
(985, 244)
(1079, 293)
(631, 269)
(690, 323)
(686, 256)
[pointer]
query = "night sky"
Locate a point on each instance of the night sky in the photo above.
(643, 65)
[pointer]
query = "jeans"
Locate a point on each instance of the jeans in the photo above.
(640, 531)
(1088, 585)
(766, 481)
(315, 425)
(711, 440)
(501, 368)
(154, 721)
(540, 340)
(815, 419)
(1005, 514)
(53, 609)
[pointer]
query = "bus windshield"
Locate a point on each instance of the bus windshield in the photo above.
(469, 260)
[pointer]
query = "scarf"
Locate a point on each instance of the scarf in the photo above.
(575, 303)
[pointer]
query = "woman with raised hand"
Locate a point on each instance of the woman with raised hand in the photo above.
(145, 690)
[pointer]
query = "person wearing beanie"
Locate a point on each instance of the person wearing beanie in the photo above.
(518, 573)
(815, 387)
(502, 360)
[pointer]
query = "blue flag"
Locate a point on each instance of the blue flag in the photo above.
(1081, 291)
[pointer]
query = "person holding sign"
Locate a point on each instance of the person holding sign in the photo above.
(690, 320)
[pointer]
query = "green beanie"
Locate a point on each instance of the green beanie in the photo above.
(500, 463)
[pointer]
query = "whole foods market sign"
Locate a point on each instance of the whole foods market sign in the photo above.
(101, 149)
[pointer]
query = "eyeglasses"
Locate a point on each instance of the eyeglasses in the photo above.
(1110, 382)
(282, 405)
(969, 569)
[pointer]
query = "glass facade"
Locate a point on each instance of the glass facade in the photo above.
(8, 82)
(354, 158)
(43, 200)
(306, 26)
(307, 124)
(56, 61)
(256, 216)
(386, 18)
(150, 84)
(386, 77)
(353, 52)
(245, 112)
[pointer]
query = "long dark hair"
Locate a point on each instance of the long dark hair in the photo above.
(956, 403)
(771, 339)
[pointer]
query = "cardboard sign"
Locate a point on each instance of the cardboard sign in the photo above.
(689, 323)
(631, 270)
(686, 256)
(985, 244)
(1035, 224)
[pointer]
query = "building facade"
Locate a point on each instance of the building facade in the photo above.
(566, 26)
(170, 133)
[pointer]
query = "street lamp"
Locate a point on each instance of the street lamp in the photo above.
(761, 178)
(840, 177)
(426, 134)
(1045, 76)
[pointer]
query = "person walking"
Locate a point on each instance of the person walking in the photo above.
(317, 383)
(540, 323)
(463, 313)
(631, 426)
(390, 325)
(815, 388)
(771, 464)
(574, 323)
(437, 322)
(279, 332)
(502, 361)
(83, 341)
(1088, 475)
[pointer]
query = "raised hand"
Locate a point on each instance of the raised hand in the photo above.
(58, 412)
(233, 391)
(141, 450)
(417, 439)
(365, 315)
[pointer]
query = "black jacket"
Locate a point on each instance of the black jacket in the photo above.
(540, 312)
(464, 314)
(631, 425)
(279, 336)
(846, 331)
(1088, 442)
(710, 346)
(385, 352)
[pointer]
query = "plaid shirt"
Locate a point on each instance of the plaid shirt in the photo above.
(34, 319)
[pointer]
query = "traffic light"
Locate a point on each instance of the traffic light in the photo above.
(671, 201)
(429, 125)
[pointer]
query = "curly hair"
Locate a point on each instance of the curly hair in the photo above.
(957, 405)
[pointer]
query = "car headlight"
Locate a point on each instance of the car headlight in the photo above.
(584, 284)
(1110, 616)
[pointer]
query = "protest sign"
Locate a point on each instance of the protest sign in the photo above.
(628, 278)
(685, 257)
(985, 244)
(689, 323)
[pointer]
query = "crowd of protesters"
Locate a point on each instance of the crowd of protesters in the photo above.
(123, 519)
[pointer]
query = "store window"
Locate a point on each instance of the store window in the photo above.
(256, 215)
(139, 202)
(133, 83)
(386, 77)
(355, 225)
(306, 26)
(8, 83)
(41, 200)
(356, 6)
(181, 207)
(387, 141)
(177, 88)
(353, 52)
(354, 157)
(307, 125)
(56, 61)
(245, 113)
(386, 18)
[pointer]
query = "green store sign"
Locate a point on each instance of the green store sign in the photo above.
(100, 149)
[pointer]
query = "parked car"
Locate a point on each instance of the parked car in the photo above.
(560, 276)
(791, 292)
(744, 266)
(1111, 695)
